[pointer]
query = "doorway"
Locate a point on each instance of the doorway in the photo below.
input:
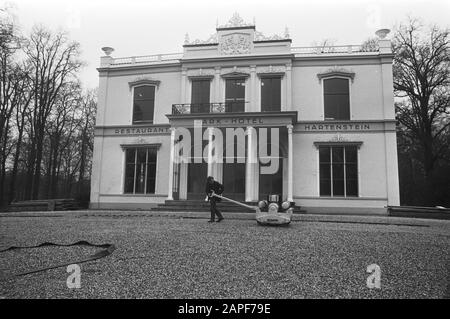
(196, 180)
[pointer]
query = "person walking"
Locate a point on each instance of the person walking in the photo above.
(214, 187)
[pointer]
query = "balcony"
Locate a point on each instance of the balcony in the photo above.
(208, 108)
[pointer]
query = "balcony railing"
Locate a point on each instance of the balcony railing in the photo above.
(335, 49)
(298, 51)
(148, 59)
(199, 108)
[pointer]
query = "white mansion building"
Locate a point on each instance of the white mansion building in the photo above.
(333, 109)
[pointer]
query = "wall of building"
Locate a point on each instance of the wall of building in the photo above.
(371, 162)
(109, 163)
(371, 99)
(119, 96)
(366, 94)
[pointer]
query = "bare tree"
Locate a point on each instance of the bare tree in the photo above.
(61, 127)
(421, 82)
(21, 114)
(86, 125)
(46, 119)
(14, 78)
(55, 60)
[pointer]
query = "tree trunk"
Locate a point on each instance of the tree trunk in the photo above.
(53, 175)
(82, 163)
(37, 171)
(12, 183)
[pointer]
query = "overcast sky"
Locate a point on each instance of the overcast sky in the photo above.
(143, 27)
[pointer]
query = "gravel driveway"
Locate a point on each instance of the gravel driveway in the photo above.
(178, 257)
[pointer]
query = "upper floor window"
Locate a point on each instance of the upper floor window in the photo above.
(235, 95)
(143, 104)
(270, 94)
(200, 95)
(336, 99)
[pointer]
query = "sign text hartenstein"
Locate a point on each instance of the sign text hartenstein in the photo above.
(337, 127)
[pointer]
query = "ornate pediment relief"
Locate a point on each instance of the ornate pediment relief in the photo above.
(213, 39)
(259, 36)
(235, 43)
(236, 22)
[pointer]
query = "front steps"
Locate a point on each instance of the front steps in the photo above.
(202, 206)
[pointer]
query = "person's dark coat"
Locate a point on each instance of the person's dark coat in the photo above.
(216, 187)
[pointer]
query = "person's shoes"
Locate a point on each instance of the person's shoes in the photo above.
(211, 221)
(220, 219)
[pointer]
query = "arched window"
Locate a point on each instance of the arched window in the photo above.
(143, 103)
(336, 97)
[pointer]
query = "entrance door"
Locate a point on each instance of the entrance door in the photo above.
(196, 180)
(197, 172)
(234, 172)
(234, 180)
(235, 95)
(271, 184)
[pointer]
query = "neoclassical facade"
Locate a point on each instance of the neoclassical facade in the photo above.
(315, 125)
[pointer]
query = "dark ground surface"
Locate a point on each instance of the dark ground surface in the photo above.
(183, 256)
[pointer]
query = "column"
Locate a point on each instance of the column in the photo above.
(183, 180)
(171, 159)
(288, 87)
(249, 185)
(392, 181)
(216, 93)
(218, 155)
(290, 164)
(183, 85)
(253, 107)
(210, 148)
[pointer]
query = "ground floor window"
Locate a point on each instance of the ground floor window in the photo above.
(140, 170)
(338, 170)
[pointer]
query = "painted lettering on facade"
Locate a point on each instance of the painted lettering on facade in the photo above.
(337, 127)
(141, 130)
(234, 120)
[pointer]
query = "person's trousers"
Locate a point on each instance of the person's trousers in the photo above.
(214, 210)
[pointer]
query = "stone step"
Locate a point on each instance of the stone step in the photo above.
(200, 209)
(201, 206)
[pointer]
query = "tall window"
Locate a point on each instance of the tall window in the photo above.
(336, 99)
(140, 170)
(270, 94)
(338, 170)
(200, 96)
(235, 95)
(143, 104)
